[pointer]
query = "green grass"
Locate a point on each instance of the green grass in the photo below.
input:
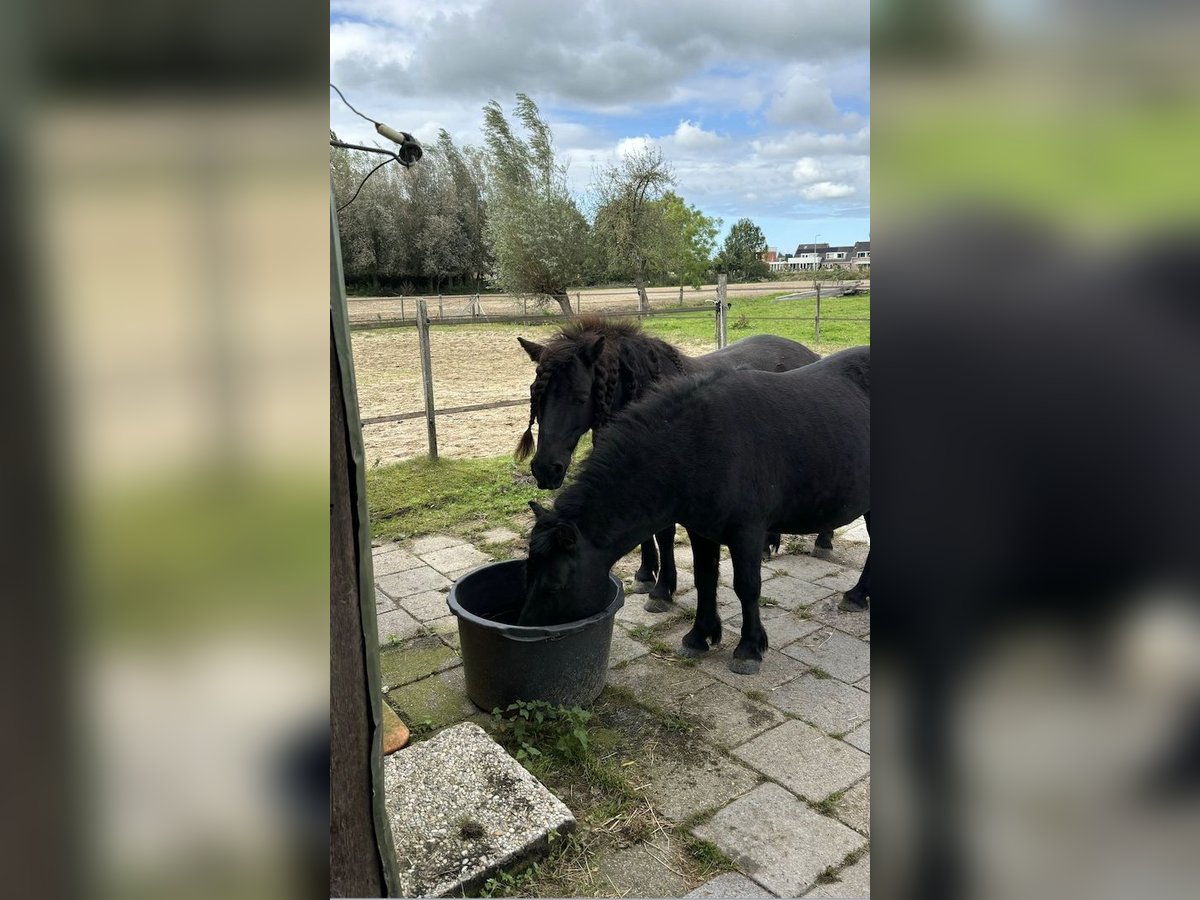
(763, 315)
(458, 496)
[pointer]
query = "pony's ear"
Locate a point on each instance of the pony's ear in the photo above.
(565, 534)
(534, 350)
(538, 509)
(592, 351)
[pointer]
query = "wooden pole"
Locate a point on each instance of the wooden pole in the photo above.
(722, 290)
(578, 304)
(524, 305)
(427, 376)
(441, 315)
(401, 306)
(817, 332)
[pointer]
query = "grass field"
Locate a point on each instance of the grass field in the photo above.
(766, 315)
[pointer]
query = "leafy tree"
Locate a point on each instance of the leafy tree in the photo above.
(689, 240)
(537, 234)
(741, 254)
(629, 220)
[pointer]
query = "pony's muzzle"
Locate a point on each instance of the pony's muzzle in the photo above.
(548, 475)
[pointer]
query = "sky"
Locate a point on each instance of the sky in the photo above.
(762, 107)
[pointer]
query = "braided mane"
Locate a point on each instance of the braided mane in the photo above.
(630, 359)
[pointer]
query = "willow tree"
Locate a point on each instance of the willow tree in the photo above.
(537, 234)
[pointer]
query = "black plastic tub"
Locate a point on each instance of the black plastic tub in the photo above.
(562, 664)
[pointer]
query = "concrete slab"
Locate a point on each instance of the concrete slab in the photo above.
(459, 573)
(779, 841)
(632, 614)
(412, 581)
(776, 668)
(683, 786)
(782, 629)
(854, 809)
(841, 581)
(827, 703)
(726, 716)
(638, 872)
(624, 648)
(461, 808)
(395, 625)
(860, 737)
(498, 535)
(414, 659)
(454, 559)
(845, 658)
(806, 568)
(433, 542)
(660, 684)
(864, 685)
(433, 703)
(425, 606)
(393, 561)
(445, 628)
(827, 612)
(383, 603)
(730, 884)
(794, 593)
(804, 760)
(853, 883)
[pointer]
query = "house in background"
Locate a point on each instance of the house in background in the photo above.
(810, 257)
(862, 255)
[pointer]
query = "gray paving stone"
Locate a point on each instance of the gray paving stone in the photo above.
(842, 581)
(832, 706)
(499, 536)
(846, 658)
(782, 629)
(416, 658)
(776, 669)
(383, 603)
(433, 542)
(855, 531)
(454, 559)
(395, 625)
(395, 560)
(445, 628)
(855, 807)
(804, 760)
(779, 841)
(726, 716)
(412, 581)
(433, 787)
(624, 648)
(793, 593)
(729, 884)
(860, 737)
(681, 787)
(827, 613)
(425, 606)
(865, 684)
(638, 872)
(854, 883)
(434, 702)
(660, 684)
(459, 573)
(804, 567)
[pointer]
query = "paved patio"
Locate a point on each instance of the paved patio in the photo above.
(779, 780)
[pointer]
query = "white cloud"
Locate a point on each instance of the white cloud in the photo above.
(827, 190)
(806, 170)
(692, 137)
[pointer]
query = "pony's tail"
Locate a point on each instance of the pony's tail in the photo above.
(525, 445)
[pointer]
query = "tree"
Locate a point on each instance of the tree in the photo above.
(741, 254)
(689, 240)
(629, 220)
(537, 234)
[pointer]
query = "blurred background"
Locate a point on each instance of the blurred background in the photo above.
(1036, 640)
(165, 634)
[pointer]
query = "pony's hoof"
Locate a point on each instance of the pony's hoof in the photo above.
(850, 603)
(692, 652)
(658, 605)
(642, 587)
(745, 666)
(822, 552)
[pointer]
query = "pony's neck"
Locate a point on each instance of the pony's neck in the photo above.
(616, 517)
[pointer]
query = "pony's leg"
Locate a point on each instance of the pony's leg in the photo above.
(643, 579)
(706, 557)
(745, 552)
(823, 545)
(771, 544)
(856, 599)
(664, 588)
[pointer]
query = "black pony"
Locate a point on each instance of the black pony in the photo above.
(591, 370)
(730, 456)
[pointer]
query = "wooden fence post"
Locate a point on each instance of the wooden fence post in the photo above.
(524, 305)
(578, 304)
(427, 376)
(817, 329)
(401, 306)
(441, 315)
(722, 290)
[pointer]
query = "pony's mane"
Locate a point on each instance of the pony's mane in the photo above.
(630, 359)
(613, 458)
